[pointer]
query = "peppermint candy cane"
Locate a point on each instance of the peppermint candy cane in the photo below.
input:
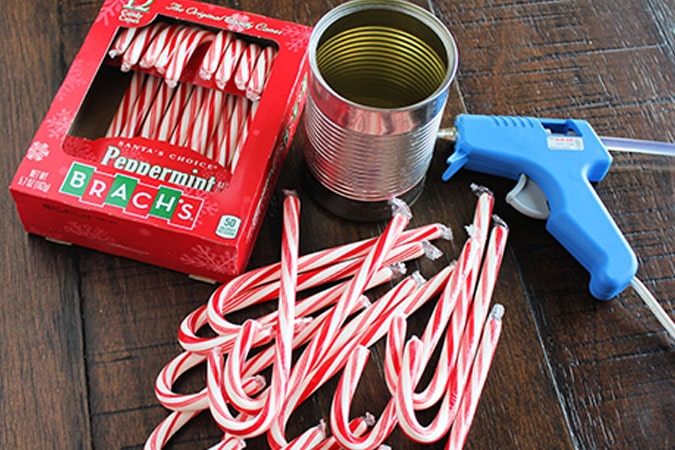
(182, 130)
(122, 42)
(283, 342)
(171, 47)
(228, 65)
(466, 282)
(260, 73)
(141, 41)
(243, 134)
(204, 123)
(467, 350)
(180, 59)
(246, 64)
(126, 105)
(479, 372)
(157, 112)
(164, 41)
(214, 54)
(307, 378)
(174, 112)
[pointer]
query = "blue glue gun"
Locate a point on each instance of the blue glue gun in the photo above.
(555, 162)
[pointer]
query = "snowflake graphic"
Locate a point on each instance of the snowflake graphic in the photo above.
(59, 124)
(73, 81)
(204, 257)
(210, 209)
(298, 37)
(38, 151)
(110, 10)
(87, 231)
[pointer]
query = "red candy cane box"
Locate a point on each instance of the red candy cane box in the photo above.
(167, 135)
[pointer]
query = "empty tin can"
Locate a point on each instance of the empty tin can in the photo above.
(379, 77)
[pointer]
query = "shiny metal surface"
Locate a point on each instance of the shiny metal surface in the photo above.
(379, 78)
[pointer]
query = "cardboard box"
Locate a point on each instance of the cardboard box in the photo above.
(147, 198)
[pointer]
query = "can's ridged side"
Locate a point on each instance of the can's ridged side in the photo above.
(367, 167)
(378, 84)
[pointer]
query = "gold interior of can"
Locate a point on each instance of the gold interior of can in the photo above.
(382, 59)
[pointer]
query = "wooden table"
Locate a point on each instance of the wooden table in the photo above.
(84, 334)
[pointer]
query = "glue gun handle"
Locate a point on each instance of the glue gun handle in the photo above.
(582, 224)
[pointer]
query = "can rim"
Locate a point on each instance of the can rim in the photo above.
(416, 12)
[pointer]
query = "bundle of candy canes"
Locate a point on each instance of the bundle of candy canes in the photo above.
(332, 329)
(157, 105)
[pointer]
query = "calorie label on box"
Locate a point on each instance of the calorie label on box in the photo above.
(166, 138)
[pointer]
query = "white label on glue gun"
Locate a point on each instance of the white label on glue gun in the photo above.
(574, 143)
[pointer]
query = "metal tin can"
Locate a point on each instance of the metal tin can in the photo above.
(378, 84)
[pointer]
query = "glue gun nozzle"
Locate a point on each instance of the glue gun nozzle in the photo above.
(448, 134)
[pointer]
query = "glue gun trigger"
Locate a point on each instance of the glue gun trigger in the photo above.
(527, 198)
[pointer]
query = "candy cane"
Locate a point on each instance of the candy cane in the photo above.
(357, 426)
(229, 63)
(246, 64)
(157, 112)
(265, 358)
(179, 60)
(466, 352)
(174, 112)
(286, 311)
(171, 46)
(228, 131)
(340, 407)
(259, 423)
(204, 123)
(126, 105)
(361, 279)
(164, 41)
(436, 326)
(243, 134)
(479, 372)
(236, 124)
(466, 282)
(167, 428)
(309, 439)
(141, 41)
(260, 74)
(183, 128)
(190, 341)
(140, 109)
(180, 365)
(169, 374)
(494, 255)
(316, 260)
(318, 277)
(214, 54)
(122, 42)
(307, 377)
(396, 324)
(230, 443)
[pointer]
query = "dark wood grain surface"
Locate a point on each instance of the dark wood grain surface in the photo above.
(84, 334)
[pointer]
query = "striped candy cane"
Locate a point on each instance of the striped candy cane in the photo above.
(214, 54)
(479, 372)
(228, 65)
